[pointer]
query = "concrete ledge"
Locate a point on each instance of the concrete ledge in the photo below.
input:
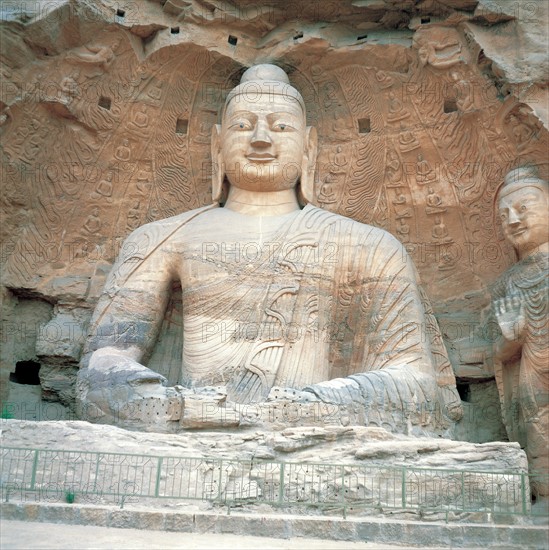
(366, 529)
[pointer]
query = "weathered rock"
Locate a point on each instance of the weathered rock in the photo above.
(369, 465)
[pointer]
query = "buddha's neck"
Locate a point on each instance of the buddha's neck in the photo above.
(262, 203)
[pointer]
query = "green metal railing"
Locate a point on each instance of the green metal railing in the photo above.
(98, 477)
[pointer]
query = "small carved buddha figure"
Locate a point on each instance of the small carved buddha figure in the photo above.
(403, 230)
(93, 222)
(520, 301)
(393, 169)
(396, 109)
(407, 140)
(399, 199)
(435, 204)
(385, 80)
(134, 217)
(326, 194)
(424, 172)
(104, 188)
(123, 151)
(339, 161)
(439, 231)
(432, 198)
(141, 118)
(269, 260)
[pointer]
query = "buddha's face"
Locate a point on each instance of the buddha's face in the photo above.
(263, 142)
(524, 216)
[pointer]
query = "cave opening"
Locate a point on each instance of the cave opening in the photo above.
(26, 372)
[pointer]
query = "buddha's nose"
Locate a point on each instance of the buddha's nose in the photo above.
(260, 137)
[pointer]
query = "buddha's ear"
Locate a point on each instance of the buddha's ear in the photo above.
(218, 170)
(308, 166)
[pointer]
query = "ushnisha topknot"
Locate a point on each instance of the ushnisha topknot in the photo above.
(265, 79)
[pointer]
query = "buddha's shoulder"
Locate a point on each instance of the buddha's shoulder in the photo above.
(365, 233)
(164, 228)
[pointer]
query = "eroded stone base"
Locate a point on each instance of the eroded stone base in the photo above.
(354, 469)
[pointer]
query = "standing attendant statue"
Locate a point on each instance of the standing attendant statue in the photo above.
(520, 304)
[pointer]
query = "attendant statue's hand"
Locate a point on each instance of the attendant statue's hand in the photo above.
(509, 312)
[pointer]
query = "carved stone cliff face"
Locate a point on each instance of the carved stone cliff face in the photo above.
(107, 110)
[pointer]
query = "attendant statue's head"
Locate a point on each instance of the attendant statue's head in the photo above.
(523, 206)
(263, 143)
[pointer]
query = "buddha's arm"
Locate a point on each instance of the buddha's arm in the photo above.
(130, 310)
(113, 386)
(398, 372)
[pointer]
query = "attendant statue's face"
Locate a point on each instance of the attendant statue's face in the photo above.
(523, 213)
(263, 142)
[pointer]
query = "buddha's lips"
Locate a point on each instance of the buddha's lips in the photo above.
(260, 157)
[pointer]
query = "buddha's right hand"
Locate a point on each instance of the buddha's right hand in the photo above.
(116, 367)
(117, 389)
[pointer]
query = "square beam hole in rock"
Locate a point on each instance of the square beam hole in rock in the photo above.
(182, 126)
(298, 35)
(362, 37)
(450, 106)
(174, 30)
(232, 40)
(104, 102)
(425, 20)
(364, 125)
(120, 13)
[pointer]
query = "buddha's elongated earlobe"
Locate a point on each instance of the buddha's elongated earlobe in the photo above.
(218, 168)
(308, 166)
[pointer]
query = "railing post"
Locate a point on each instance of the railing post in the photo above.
(523, 491)
(96, 474)
(34, 467)
(463, 490)
(281, 485)
(403, 491)
(343, 491)
(220, 479)
(158, 471)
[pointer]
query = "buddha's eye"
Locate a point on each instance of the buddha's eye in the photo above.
(242, 125)
(523, 208)
(503, 216)
(281, 127)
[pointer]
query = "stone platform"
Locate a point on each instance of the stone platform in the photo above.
(400, 532)
(235, 470)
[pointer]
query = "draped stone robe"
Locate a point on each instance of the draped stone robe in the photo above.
(292, 301)
(523, 382)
